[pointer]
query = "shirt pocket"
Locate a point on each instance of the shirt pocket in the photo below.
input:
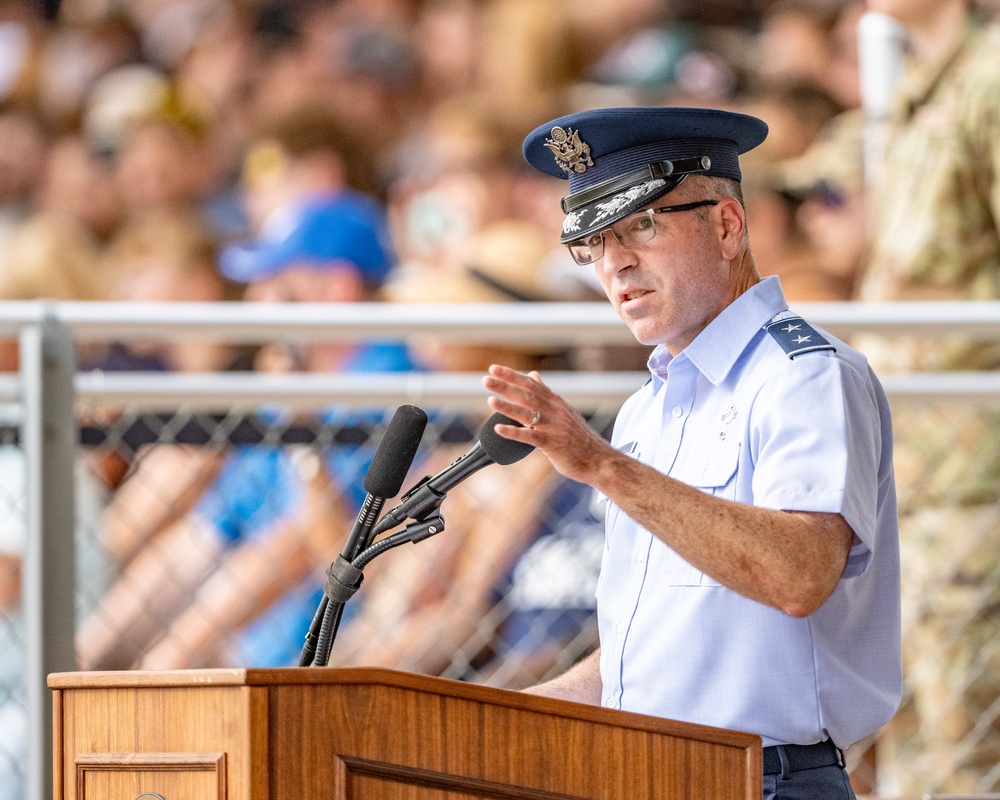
(712, 470)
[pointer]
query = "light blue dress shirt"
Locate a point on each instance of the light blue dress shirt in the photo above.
(735, 416)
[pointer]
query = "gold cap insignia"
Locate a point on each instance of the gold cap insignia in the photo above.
(572, 154)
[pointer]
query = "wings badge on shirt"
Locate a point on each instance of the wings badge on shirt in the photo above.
(796, 336)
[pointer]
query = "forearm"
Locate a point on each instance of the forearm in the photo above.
(251, 577)
(581, 683)
(786, 559)
(424, 634)
(152, 590)
(10, 581)
(424, 641)
(166, 485)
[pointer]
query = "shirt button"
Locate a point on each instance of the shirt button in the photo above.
(621, 627)
(640, 557)
(612, 703)
(677, 411)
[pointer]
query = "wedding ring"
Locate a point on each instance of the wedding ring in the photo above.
(535, 419)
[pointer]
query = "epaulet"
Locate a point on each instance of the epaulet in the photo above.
(796, 336)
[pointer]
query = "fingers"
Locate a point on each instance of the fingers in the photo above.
(527, 381)
(517, 395)
(525, 398)
(550, 423)
(516, 412)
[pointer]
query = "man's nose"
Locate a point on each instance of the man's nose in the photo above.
(616, 255)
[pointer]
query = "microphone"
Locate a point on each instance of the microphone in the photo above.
(386, 472)
(426, 496)
(384, 479)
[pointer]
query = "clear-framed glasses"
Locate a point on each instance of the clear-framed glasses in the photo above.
(633, 230)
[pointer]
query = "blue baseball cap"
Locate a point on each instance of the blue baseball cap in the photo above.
(347, 226)
(618, 160)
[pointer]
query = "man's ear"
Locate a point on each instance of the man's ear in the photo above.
(731, 226)
(340, 282)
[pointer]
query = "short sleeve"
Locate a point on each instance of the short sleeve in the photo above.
(816, 443)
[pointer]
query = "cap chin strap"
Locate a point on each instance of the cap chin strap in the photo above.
(658, 169)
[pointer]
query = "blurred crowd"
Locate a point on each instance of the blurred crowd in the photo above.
(175, 120)
(369, 150)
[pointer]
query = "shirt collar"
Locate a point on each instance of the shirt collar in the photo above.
(717, 348)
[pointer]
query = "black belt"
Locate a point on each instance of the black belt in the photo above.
(801, 756)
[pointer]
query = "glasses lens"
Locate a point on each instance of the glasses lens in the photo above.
(635, 229)
(587, 251)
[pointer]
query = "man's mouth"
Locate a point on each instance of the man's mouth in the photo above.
(634, 295)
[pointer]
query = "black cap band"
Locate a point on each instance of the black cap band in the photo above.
(659, 169)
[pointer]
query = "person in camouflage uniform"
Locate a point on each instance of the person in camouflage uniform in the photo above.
(936, 236)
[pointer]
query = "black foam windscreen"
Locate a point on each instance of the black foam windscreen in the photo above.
(395, 452)
(502, 451)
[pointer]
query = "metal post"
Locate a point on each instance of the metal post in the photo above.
(49, 439)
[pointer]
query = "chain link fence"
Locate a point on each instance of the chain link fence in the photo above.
(207, 509)
(219, 532)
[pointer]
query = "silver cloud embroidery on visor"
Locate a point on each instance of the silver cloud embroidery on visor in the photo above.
(620, 201)
(572, 222)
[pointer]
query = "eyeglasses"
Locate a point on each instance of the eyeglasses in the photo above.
(633, 230)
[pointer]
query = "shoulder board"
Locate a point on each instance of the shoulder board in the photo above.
(796, 336)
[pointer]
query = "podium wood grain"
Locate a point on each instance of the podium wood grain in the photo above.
(367, 734)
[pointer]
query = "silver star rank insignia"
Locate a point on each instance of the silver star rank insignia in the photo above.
(796, 336)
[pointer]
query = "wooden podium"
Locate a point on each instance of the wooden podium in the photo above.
(360, 734)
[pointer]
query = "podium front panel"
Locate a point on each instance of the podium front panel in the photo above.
(357, 734)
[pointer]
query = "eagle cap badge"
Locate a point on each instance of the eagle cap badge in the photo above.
(571, 153)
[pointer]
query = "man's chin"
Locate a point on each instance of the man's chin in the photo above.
(643, 333)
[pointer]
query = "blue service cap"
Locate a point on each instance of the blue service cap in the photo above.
(321, 232)
(618, 160)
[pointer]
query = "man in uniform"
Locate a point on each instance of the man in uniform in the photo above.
(750, 574)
